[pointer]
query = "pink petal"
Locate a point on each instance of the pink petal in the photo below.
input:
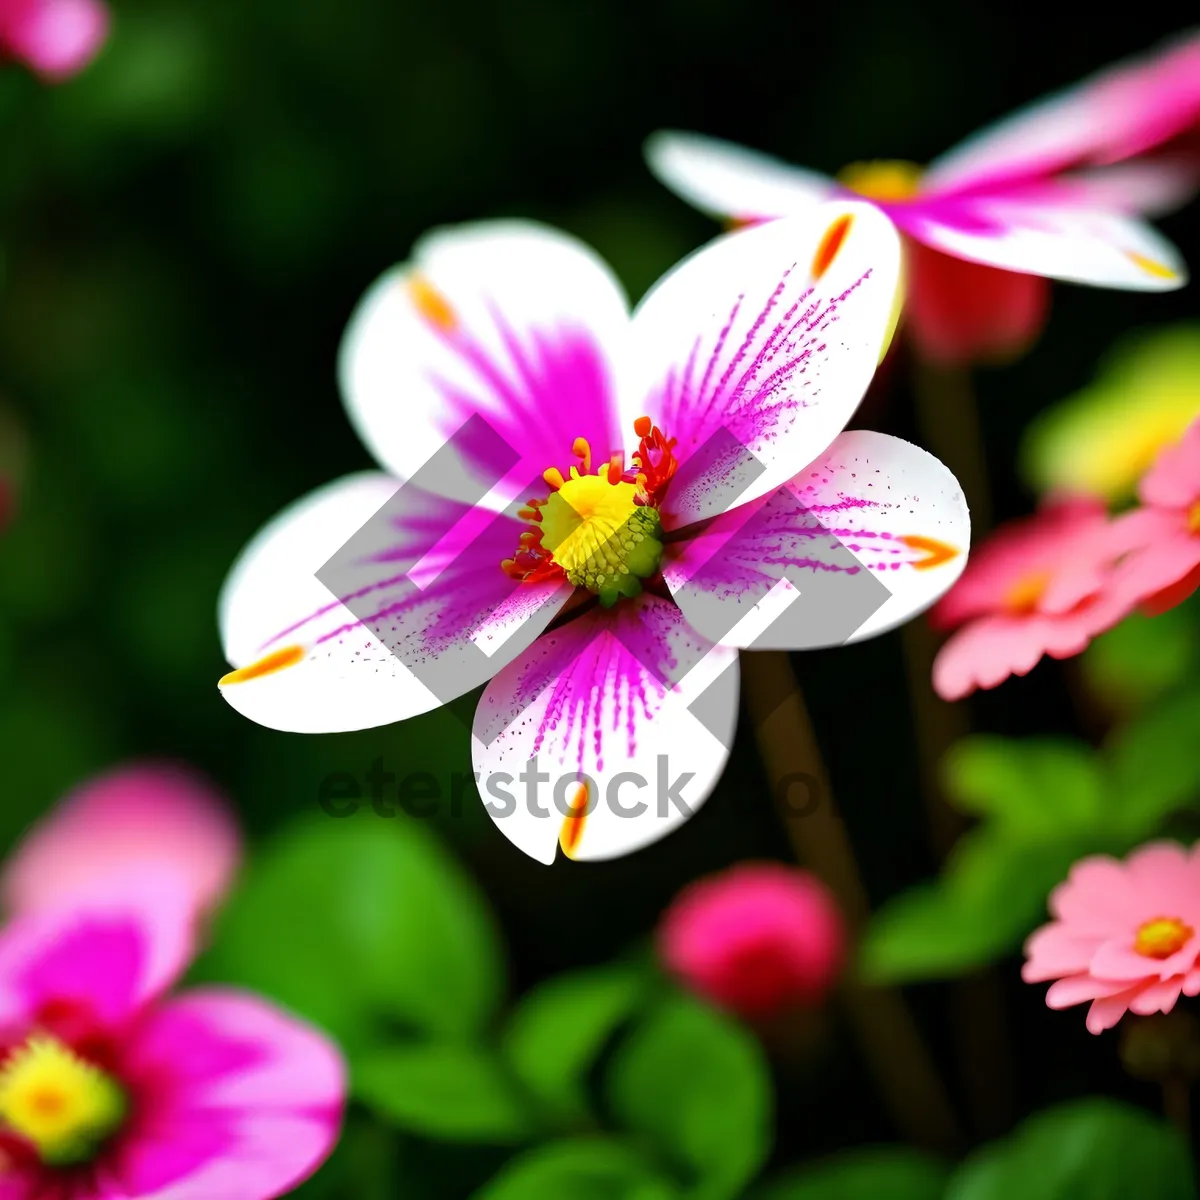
(1174, 479)
(1078, 989)
(141, 815)
(238, 1099)
(1055, 951)
(56, 38)
(1108, 1010)
(961, 312)
(110, 952)
(1156, 997)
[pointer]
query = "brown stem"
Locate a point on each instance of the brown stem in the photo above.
(890, 1039)
(1177, 1104)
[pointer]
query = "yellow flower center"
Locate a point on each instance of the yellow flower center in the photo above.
(1194, 519)
(1162, 937)
(882, 179)
(65, 1106)
(1024, 595)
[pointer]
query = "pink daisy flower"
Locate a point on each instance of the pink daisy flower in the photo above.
(110, 1087)
(1123, 935)
(56, 38)
(759, 938)
(614, 590)
(1041, 585)
(1056, 191)
(1164, 568)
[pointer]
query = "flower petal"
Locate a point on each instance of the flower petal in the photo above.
(1174, 479)
(1115, 114)
(56, 38)
(1077, 989)
(630, 701)
(1148, 186)
(238, 1099)
(1106, 1011)
(418, 610)
(1057, 240)
(126, 944)
(510, 320)
(869, 535)
(754, 352)
(728, 180)
(143, 815)
(1056, 951)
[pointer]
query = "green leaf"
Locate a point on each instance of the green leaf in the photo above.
(449, 1091)
(583, 1169)
(1035, 787)
(1143, 657)
(696, 1084)
(1094, 1149)
(1153, 765)
(992, 893)
(559, 1028)
(876, 1173)
(352, 922)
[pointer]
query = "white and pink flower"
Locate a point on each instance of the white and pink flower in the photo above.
(595, 644)
(1056, 191)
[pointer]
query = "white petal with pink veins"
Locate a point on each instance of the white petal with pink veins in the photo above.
(419, 610)
(513, 321)
(607, 734)
(728, 180)
(754, 352)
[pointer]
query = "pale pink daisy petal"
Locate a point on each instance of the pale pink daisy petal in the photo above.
(1156, 997)
(510, 321)
(589, 741)
(422, 604)
(1096, 897)
(1078, 989)
(754, 352)
(147, 814)
(1054, 951)
(1174, 479)
(871, 504)
(1108, 1010)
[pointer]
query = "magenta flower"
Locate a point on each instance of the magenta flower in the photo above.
(759, 939)
(1042, 585)
(1164, 567)
(596, 644)
(112, 1089)
(56, 38)
(1056, 191)
(1123, 935)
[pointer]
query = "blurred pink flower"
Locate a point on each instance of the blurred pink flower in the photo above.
(148, 814)
(1164, 568)
(1041, 585)
(758, 939)
(1124, 935)
(56, 38)
(1056, 191)
(109, 1088)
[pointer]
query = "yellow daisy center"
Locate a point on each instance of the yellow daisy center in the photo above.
(65, 1106)
(1194, 519)
(882, 179)
(1024, 595)
(1162, 937)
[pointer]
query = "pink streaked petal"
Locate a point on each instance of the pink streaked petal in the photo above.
(1115, 114)
(607, 696)
(1057, 240)
(510, 320)
(109, 956)
(872, 505)
(1057, 540)
(144, 814)
(1174, 479)
(1055, 951)
(754, 352)
(57, 38)
(731, 181)
(1078, 989)
(961, 312)
(424, 610)
(1108, 1010)
(1150, 186)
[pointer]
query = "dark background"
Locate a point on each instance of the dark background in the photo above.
(186, 229)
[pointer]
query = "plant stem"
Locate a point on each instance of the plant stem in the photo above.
(1177, 1104)
(890, 1039)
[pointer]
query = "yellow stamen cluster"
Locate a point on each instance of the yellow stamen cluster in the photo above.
(1024, 595)
(1162, 937)
(883, 179)
(1194, 519)
(65, 1106)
